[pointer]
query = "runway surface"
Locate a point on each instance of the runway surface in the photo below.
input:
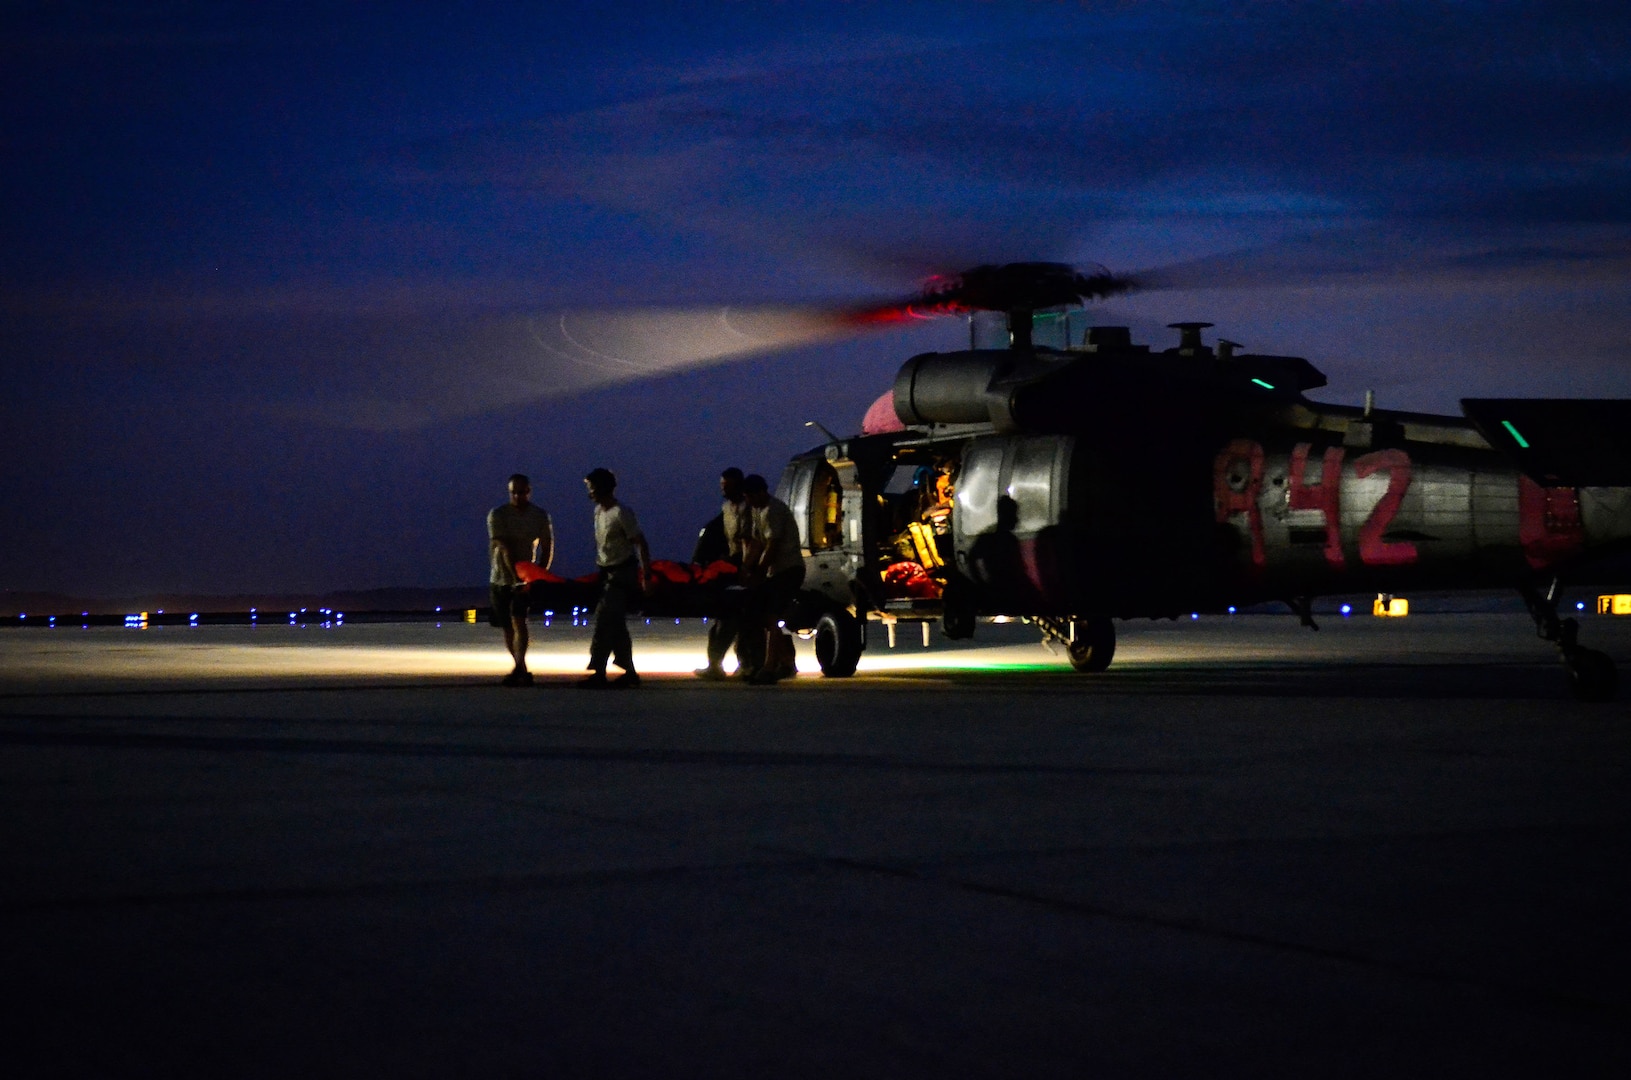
(1392, 847)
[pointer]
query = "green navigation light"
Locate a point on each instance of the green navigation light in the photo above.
(1264, 385)
(1522, 442)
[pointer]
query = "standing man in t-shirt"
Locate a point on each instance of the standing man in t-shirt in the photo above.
(518, 531)
(625, 564)
(775, 559)
(736, 523)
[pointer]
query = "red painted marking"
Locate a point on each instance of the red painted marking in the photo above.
(1373, 550)
(1549, 527)
(1230, 502)
(1325, 496)
(1032, 562)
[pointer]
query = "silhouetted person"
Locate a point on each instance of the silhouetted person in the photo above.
(625, 566)
(995, 563)
(736, 528)
(775, 563)
(518, 531)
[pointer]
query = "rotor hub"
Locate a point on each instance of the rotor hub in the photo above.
(1020, 287)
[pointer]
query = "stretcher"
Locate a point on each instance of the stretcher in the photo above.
(680, 590)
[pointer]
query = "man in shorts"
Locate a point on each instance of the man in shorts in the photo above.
(625, 571)
(775, 561)
(518, 531)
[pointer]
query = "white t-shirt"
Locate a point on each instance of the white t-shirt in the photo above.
(775, 527)
(737, 519)
(615, 533)
(515, 528)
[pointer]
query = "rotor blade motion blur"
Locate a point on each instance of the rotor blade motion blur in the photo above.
(591, 348)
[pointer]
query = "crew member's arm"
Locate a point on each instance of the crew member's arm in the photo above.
(543, 549)
(643, 553)
(495, 544)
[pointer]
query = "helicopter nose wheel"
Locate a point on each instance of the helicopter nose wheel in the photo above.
(838, 644)
(1092, 645)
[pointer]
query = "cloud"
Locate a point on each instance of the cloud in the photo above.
(1488, 116)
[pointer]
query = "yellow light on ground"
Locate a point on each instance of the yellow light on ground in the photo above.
(1617, 604)
(1395, 607)
(469, 615)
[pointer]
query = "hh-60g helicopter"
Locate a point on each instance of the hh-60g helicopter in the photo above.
(1073, 482)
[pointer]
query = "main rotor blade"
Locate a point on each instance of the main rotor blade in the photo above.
(1377, 256)
(618, 345)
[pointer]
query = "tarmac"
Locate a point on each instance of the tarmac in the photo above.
(1395, 847)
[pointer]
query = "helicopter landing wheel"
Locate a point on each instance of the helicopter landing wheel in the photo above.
(1095, 644)
(1592, 675)
(838, 644)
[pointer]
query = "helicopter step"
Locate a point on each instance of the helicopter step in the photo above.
(1592, 674)
(1090, 643)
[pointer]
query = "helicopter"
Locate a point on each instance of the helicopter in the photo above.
(1073, 481)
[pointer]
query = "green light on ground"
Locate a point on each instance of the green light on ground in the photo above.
(1264, 385)
(1523, 442)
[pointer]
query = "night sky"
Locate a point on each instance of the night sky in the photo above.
(287, 291)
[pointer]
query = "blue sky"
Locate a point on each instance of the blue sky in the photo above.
(280, 290)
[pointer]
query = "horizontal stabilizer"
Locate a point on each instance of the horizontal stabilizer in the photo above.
(1559, 442)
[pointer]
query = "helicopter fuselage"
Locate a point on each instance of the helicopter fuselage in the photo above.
(1127, 484)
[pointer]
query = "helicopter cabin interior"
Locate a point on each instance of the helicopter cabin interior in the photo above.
(883, 521)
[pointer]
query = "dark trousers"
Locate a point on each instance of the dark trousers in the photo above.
(723, 631)
(610, 636)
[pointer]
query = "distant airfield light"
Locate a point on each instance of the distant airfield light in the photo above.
(1581, 606)
(1347, 609)
(1522, 442)
(1231, 609)
(1194, 615)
